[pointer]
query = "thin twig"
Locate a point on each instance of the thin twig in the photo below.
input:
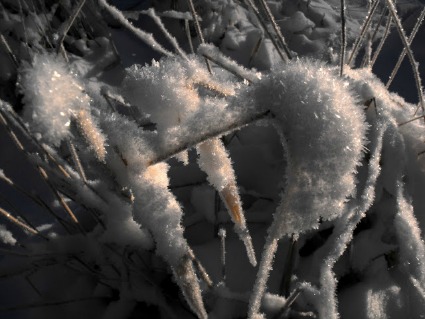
(188, 35)
(9, 50)
(343, 40)
(198, 29)
(222, 236)
(76, 160)
(17, 122)
(276, 28)
(364, 28)
(151, 13)
(254, 8)
(289, 267)
(291, 299)
(403, 53)
(411, 120)
(214, 54)
(378, 25)
(141, 35)
(381, 43)
(180, 147)
(409, 52)
(61, 200)
(21, 147)
(17, 222)
(68, 24)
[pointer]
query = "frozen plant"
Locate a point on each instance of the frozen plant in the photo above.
(151, 165)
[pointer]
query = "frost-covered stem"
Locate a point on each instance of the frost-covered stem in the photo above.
(77, 162)
(287, 274)
(368, 51)
(39, 169)
(343, 40)
(185, 144)
(222, 236)
(141, 35)
(381, 43)
(212, 53)
(188, 35)
(255, 50)
(11, 133)
(289, 302)
(343, 232)
(262, 276)
(198, 28)
(188, 283)
(151, 13)
(403, 53)
(411, 120)
(406, 44)
(364, 28)
(412, 247)
(61, 200)
(201, 269)
(17, 222)
(65, 28)
(11, 116)
(9, 50)
(254, 8)
(276, 28)
(381, 19)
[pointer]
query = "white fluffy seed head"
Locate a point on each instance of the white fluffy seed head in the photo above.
(323, 130)
(51, 95)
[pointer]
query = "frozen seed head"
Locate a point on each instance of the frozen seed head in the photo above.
(51, 95)
(322, 129)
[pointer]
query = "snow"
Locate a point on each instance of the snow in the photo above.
(323, 133)
(6, 237)
(52, 95)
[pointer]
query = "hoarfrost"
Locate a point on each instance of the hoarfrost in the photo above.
(323, 133)
(52, 94)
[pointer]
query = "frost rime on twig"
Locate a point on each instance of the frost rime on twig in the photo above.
(214, 160)
(412, 247)
(151, 13)
(336, 150)
(382, 42)
(343, 39)
(406, 44)
(142, 35)
(363, 31)
(403, 53)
